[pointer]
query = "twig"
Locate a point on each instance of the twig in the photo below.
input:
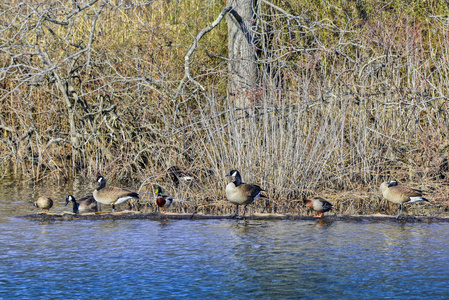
(72, 13)
(102, 111)
(386, 135)
(193, 47)
(91, 36)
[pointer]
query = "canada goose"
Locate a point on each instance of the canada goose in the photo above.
(85, 204)
(400, 194)
(112, 195)
(163, 201)
(319, 205)
(240, 193)
(44, 203)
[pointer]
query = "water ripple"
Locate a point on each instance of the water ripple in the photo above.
(222, 259)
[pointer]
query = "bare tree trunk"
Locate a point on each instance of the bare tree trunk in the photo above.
(243, 68)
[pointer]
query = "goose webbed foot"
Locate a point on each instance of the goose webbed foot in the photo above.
(319, 215)
(244, 212)
(400, 212)
(267, 203)
(400, 216)
(234, 215)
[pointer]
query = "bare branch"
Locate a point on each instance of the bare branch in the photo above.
(56, 140)
(6, 128)
(72, 13)
(102, 111)
(193, 47)
(92, 31)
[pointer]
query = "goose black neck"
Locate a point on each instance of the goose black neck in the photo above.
(102, 185)
(237, 179)
(75, 207)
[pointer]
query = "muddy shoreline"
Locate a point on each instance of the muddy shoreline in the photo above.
(129, 215)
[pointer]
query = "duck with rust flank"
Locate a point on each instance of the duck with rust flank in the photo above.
(163, 201)
(319, 205)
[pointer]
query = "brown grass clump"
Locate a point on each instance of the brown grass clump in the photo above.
(350, 94)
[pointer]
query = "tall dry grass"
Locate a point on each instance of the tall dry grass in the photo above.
(350, 94)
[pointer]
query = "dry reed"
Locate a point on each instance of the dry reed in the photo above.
(350, 95)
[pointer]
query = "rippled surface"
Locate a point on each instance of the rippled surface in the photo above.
(222, 259)
(141, 259)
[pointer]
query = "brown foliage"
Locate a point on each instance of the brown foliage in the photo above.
(349, 95)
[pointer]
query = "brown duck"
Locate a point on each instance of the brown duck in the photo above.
(319, 205)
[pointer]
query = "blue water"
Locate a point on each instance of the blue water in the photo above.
(184, 259)
(211, 259)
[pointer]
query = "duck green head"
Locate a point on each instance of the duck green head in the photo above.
(158, 190)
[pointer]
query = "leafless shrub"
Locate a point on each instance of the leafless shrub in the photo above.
(340, 104)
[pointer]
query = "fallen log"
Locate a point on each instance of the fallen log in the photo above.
(129, 215)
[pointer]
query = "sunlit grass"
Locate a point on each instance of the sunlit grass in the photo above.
(366, 101)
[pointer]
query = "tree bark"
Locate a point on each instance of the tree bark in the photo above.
(243, 69)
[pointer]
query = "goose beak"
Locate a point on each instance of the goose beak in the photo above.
(392, 183)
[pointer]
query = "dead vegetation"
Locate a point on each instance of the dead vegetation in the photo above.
(350, 94)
